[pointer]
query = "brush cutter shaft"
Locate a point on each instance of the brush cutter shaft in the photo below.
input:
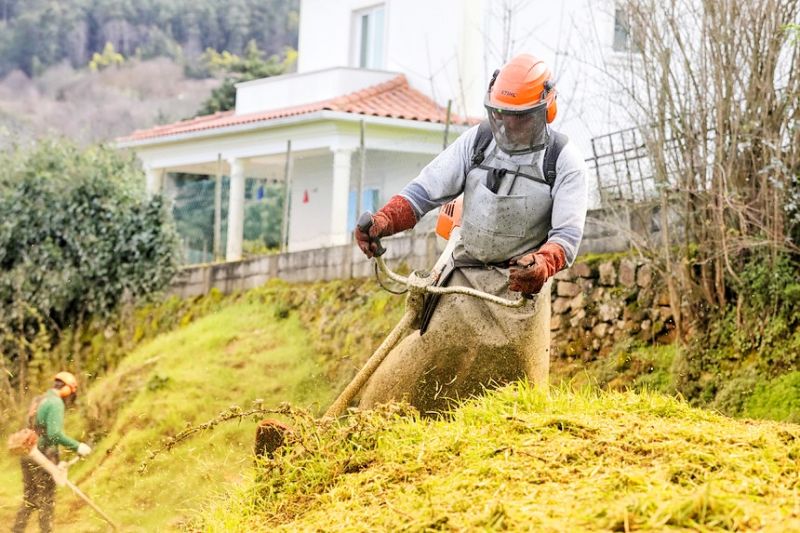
(60, 477)
(347, 395)
(477, 294)
(91, 504)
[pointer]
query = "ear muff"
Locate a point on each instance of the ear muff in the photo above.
(552, 110)
(551, 95)
(65, 391)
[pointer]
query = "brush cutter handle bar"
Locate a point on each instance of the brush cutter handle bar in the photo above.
(394, 276)
(403, 280)
(477, 294)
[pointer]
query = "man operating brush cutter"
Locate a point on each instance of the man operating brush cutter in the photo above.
(271, 434)
(514, 198)
(524, 205)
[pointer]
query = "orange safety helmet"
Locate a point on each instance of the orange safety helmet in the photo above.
(70, 384)
(521, 101)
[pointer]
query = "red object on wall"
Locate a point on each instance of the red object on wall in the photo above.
(305, 196)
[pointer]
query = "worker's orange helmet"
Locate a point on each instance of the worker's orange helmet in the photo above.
(521, 101)
(70, 384)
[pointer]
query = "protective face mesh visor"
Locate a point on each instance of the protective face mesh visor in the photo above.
(519, 131)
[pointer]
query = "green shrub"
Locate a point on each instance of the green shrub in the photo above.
(657, 373)
(736, 391)
(755, 338)
(78, 238)
(778, 399)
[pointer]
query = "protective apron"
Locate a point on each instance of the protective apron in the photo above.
(470, 344)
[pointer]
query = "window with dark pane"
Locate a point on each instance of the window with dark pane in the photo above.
(622, 31)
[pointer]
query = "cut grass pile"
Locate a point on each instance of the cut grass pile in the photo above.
(520, 460)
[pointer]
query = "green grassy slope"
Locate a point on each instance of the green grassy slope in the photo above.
(234, 356)
(519, 460)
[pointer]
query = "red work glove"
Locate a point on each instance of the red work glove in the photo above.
(538, 267)
(396, 216)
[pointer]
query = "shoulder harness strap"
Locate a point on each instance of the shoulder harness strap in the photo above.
(554, 146)
(482, 141)
(33, 409)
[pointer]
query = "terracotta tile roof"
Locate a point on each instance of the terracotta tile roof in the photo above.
(391, 99)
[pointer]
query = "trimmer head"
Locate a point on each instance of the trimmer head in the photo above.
(270, 435)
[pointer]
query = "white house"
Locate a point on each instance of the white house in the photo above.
(392, 66)
(448, 49)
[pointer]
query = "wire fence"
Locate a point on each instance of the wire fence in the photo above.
(621, 167)
(623, 170)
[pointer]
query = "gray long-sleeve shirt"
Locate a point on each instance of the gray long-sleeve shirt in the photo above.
(443, 179)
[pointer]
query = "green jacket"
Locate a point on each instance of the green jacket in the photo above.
(50, 423)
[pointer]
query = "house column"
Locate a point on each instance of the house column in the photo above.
(154, 181)
(233, 250)
(340, 195)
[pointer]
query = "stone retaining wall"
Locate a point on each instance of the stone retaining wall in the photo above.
(597, 304)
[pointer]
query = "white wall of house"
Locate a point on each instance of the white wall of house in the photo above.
(390, 171)
(449, 48)
(324, 33)
(312, 187)
(310, 206)
(422, 39)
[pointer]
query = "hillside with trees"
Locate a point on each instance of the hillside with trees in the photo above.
(89, 107)
(36, 34)
(95, 70)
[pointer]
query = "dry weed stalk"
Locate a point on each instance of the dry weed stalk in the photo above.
(714, 89)
(232, 413)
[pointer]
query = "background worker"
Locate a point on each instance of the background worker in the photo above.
(46, 418)
(522, 221)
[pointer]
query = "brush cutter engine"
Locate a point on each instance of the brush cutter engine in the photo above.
(449, 217)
